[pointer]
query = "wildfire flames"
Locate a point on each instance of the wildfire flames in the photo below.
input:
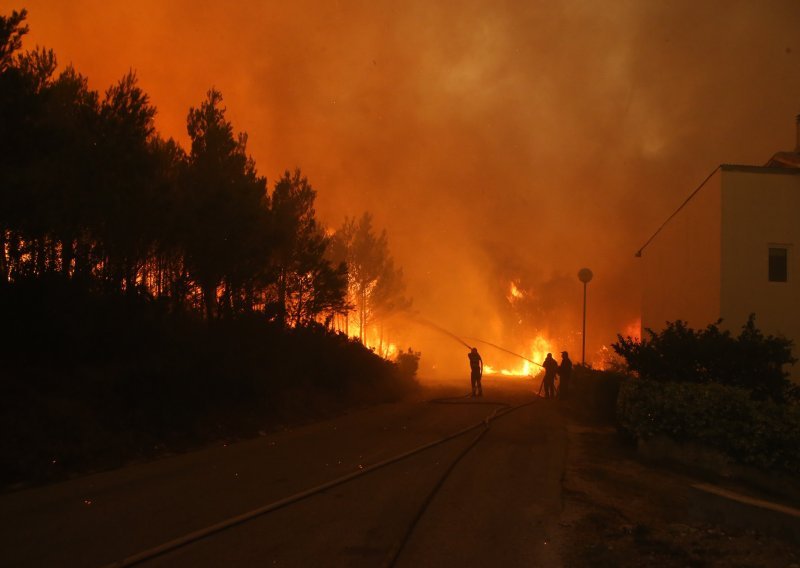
(374, 338)
(382, 338)
(537, 351)
(475, 259)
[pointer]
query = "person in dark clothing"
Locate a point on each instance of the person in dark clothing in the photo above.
(564, 374)
(550, 369)
(476, 366)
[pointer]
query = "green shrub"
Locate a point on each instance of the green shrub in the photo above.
(408, 363)
(763, 434)
(679, 353)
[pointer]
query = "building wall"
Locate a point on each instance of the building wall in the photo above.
(760, 207)
(681, 265)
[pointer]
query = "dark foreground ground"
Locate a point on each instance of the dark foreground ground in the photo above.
(539, 488)
(620, 510)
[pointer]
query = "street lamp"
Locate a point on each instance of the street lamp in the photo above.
(585, 276)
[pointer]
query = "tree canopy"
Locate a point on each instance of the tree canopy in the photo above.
(375, 285)
(91, 192)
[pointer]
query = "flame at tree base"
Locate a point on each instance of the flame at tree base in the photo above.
(537, 351)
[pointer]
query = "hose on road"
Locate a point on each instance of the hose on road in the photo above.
(205, 532)
(504, 408)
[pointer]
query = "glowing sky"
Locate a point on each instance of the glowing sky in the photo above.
(493, 139)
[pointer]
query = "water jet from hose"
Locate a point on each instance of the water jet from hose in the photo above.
(504, 349)
(452, 335)
(440, 329)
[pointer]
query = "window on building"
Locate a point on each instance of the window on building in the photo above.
(778, 264)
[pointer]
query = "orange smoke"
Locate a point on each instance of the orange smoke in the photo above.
(496, 142)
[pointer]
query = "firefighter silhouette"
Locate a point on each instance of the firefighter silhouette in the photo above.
(550, 369)
(476, 367)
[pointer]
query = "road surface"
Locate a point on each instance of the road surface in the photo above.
(498, 504)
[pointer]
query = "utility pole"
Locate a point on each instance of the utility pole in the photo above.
(585, 276)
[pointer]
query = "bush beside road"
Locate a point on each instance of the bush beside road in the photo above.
(94, 381)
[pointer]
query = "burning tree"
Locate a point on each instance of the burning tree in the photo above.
(225, 229)
(375, 285)
(307, 283)
(92, 196)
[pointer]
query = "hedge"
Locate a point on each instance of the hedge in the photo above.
(763, 434)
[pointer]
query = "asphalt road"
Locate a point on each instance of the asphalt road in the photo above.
(499, 505)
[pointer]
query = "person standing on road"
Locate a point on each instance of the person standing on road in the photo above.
(476, 367)
(550, 369)
(564, 375)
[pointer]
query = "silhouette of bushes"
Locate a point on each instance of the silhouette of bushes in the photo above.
(92, 380)
(731, 393)
(678, 353)
(761, 433)
(408, 362)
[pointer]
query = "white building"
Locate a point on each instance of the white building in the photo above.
(731, 249)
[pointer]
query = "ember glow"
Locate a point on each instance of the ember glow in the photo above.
(378, 343)
(633, 330)
(497, 143)
(537, 351)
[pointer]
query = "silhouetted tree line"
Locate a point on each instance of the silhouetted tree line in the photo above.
(90, 191)
(375, 285)
(116, 244)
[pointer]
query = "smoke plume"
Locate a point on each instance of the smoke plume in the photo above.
(496, 141)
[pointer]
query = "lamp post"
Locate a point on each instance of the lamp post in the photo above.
(585, 276)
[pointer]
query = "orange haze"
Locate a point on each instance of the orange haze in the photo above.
(496, 141)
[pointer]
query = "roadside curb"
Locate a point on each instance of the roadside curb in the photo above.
(717, 465)
(711, 503)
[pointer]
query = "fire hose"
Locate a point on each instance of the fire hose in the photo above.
(506, 350)
(440, 329)
(397, 550)
(231, 522)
